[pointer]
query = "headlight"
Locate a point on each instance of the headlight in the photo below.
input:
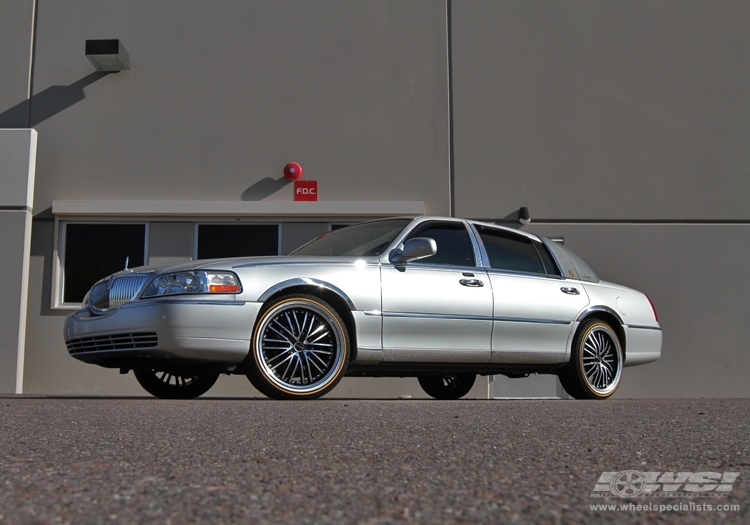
(193, 282)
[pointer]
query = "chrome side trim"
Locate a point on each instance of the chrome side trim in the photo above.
(524, 320)
(441, 267)
(438, 316)
(305, 281)
(644, 327)
(466, 317)
(145, 302)
(599, 308)
(497, 271)
(373, 312)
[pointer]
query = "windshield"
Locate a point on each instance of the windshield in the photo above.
(368, 238)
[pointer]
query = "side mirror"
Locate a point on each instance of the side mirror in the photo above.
(413, 249)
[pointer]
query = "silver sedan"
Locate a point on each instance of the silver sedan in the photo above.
(440, 299)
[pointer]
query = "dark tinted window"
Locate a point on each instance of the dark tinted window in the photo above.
(510, 252)
(93, 251)
(549, 264)
(216, 241)
(453, 244)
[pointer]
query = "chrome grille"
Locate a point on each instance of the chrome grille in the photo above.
(116, 291)
(96, 343)
(124, 288)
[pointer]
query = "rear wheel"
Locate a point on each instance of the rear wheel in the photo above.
(175, 385)
(595, 365)
(447, 387)
(300, 348)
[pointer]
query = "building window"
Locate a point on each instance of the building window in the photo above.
(216, 241)
(93, 251)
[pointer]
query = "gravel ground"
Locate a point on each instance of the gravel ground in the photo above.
(133, 460)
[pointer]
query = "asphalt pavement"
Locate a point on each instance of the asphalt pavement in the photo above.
(142, 460)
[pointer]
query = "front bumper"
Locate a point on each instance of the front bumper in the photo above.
(183, 330)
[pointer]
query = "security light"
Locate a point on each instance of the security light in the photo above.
(107, 55)
(523, 215)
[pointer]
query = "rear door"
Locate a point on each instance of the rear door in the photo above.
(534, 307)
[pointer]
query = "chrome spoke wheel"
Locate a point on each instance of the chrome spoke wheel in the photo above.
(172, 384)
(300, 346)
(601, 359)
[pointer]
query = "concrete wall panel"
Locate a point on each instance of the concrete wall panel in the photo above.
(13, 239)
(16, 22)
(221, 95)
(170, 242)
(602, 110)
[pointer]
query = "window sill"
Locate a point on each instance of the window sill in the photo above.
(321, 209)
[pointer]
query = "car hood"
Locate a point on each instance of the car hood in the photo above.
(249, 262)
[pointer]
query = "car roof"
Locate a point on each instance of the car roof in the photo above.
(425, 218)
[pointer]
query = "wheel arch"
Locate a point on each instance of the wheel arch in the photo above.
(609, 316)
(326, 291)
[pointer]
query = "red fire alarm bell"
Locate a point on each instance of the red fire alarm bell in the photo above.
(305, 190)
(292, 171)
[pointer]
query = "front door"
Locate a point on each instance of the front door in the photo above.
(439, 308)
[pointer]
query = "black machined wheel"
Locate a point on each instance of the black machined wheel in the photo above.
(175, 385)
(447, 387)
(300, 348)
(596, 361)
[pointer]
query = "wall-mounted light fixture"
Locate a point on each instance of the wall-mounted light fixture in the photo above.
(107, 55)
(523, 215)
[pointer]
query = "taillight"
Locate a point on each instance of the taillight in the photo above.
(653, 308)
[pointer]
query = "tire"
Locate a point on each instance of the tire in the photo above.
(168, 385)
(300, 348)
(595, 365)
(447, 387)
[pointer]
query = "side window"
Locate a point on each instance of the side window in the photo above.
(515, 253)
(93, 251)
(549, 265)
(216, 241)
(454, 246)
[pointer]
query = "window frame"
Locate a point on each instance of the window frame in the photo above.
(59, 250)
(511, 234)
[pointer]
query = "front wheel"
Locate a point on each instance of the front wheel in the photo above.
(447, 387)
(595, 365)
(174, 385)
(300, 348)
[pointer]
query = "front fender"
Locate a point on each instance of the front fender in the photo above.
(305, 281)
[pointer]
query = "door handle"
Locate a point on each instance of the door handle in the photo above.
(570, 290)
(471, 283)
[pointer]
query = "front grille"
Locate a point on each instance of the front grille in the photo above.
(116, 291)
(96, 343)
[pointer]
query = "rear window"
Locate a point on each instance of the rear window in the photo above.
(572, 266)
